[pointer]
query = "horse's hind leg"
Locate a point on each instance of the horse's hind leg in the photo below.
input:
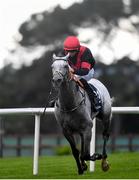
(105, 165)
(75, 151)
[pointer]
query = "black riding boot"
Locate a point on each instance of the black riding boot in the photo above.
(95, 101)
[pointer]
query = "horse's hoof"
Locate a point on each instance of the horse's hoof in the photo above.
(80, 172)
(96, 156)
(105, 165)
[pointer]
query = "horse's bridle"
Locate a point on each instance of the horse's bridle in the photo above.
(59, 73)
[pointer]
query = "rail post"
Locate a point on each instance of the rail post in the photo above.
(36, 144)
(92, 145)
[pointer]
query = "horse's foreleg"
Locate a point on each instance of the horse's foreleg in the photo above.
(75, 151)
(85, 144)
(83, 156)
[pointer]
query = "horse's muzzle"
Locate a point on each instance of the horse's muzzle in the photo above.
(56, 82)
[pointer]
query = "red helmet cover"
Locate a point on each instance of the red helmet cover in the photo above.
(71, 43)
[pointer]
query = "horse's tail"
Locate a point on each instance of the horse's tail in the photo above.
(113, 100)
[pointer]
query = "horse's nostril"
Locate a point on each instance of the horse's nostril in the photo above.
(56, 80)
(59, 80)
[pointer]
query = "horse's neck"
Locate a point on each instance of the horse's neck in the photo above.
(69, 96)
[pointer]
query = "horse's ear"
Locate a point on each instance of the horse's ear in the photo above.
(67, 56)
(54, 57)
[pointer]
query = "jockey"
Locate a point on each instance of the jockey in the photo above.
(80, 59)
(81, 63)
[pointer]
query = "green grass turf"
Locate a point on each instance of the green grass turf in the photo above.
(122, 166)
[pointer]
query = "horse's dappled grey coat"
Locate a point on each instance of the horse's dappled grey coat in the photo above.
(74, 114)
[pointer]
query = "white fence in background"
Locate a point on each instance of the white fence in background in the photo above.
(37, 112)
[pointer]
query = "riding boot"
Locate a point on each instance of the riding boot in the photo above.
(95, 101)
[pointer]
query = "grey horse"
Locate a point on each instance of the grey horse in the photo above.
(74, 113)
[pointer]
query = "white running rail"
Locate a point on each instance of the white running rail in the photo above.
(37, 112)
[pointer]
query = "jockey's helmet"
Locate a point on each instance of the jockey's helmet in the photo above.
(71, 43)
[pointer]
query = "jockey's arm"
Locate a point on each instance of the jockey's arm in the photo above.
(84, 70)
(81, 71)
(87, 63)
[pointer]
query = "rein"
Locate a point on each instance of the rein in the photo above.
(77, 81)
(73, 109)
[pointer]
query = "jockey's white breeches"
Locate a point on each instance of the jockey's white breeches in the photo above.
(89, 76)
